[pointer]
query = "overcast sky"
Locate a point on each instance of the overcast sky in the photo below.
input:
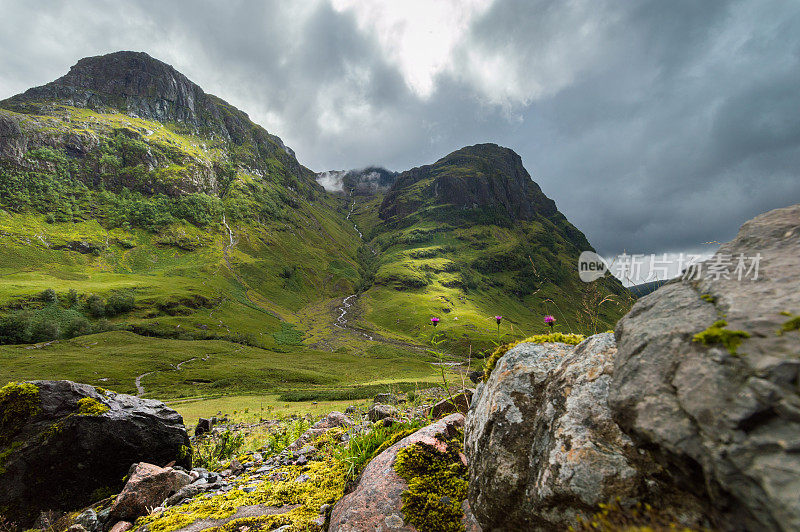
(654, 125)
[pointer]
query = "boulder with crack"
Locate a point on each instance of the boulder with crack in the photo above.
(708, 375)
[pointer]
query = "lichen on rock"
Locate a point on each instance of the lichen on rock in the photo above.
(559, 338)
(437, 484)
(718, 334)
(19, 401)
(89, 406)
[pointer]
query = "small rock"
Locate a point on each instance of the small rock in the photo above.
(148, 486)
(186, 492)
(457, 403)
(76, 528)
(386, 399)
(88, 520)
(122, 526)
(236, 467)
(302, 478)
(381, 411)
(302, 460)
(203, 426)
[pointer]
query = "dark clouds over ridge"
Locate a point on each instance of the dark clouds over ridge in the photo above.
(655, 126)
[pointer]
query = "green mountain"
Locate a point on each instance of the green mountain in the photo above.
(144, 216)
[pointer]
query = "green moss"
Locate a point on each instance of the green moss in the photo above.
(437, 486)
(561, 338)
(718, 334)
(793, 324)
(325, 486)
(19, 401)
(89, 406)
(614, 517)
(708, 298)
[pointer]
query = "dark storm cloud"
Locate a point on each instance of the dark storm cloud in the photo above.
(656, 126)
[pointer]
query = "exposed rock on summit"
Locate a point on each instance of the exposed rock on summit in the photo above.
(479, 176)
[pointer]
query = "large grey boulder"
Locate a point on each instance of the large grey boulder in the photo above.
(726, 425)
(64, 444)
(542, 445)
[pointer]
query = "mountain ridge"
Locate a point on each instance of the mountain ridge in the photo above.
(129, 201)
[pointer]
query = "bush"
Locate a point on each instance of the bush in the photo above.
(95, 306)
(216, 448)
(72, 298)
(44, 331)
(119, 303)
(49, 297)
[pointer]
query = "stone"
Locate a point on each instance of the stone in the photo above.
(386, 399)
(203, 426)
(114, 431)
(725, 424)
(76, 528)
(88, 520)
(457, 403)
(331, 421)
(122, 526)
(381, 411)
(186, 492)
(376, 502)
(542, 445)
(148, 486)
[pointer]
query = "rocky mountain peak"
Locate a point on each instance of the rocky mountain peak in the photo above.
(128, 81)
(483, 175)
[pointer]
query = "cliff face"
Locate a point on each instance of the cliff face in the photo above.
(140, 87)
(479, 176)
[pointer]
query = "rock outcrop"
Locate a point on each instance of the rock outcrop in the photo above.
(723, 418)
(542, 446)
(140, 86)
(64, 443)
(483, 175)
(377, 501)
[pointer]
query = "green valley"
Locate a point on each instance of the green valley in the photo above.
(152, 231)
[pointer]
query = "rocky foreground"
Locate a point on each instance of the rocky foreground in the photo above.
(687, 417)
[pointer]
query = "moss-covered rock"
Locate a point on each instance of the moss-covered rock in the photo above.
(65, 444)
(19, 401)
(437, 484)
(417, 483)
(559, 338)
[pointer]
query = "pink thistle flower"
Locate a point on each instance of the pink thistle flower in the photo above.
(549, 321)
(499, 319)
(435, 321)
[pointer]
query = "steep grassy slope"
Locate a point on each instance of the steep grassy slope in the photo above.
(144, 223)
(132, 200)
(124, 180)
(471, 237)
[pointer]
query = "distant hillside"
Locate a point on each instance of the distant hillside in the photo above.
(641, 290)
(123, 180)
(131, 201)
(363, 182)
(470, 237)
